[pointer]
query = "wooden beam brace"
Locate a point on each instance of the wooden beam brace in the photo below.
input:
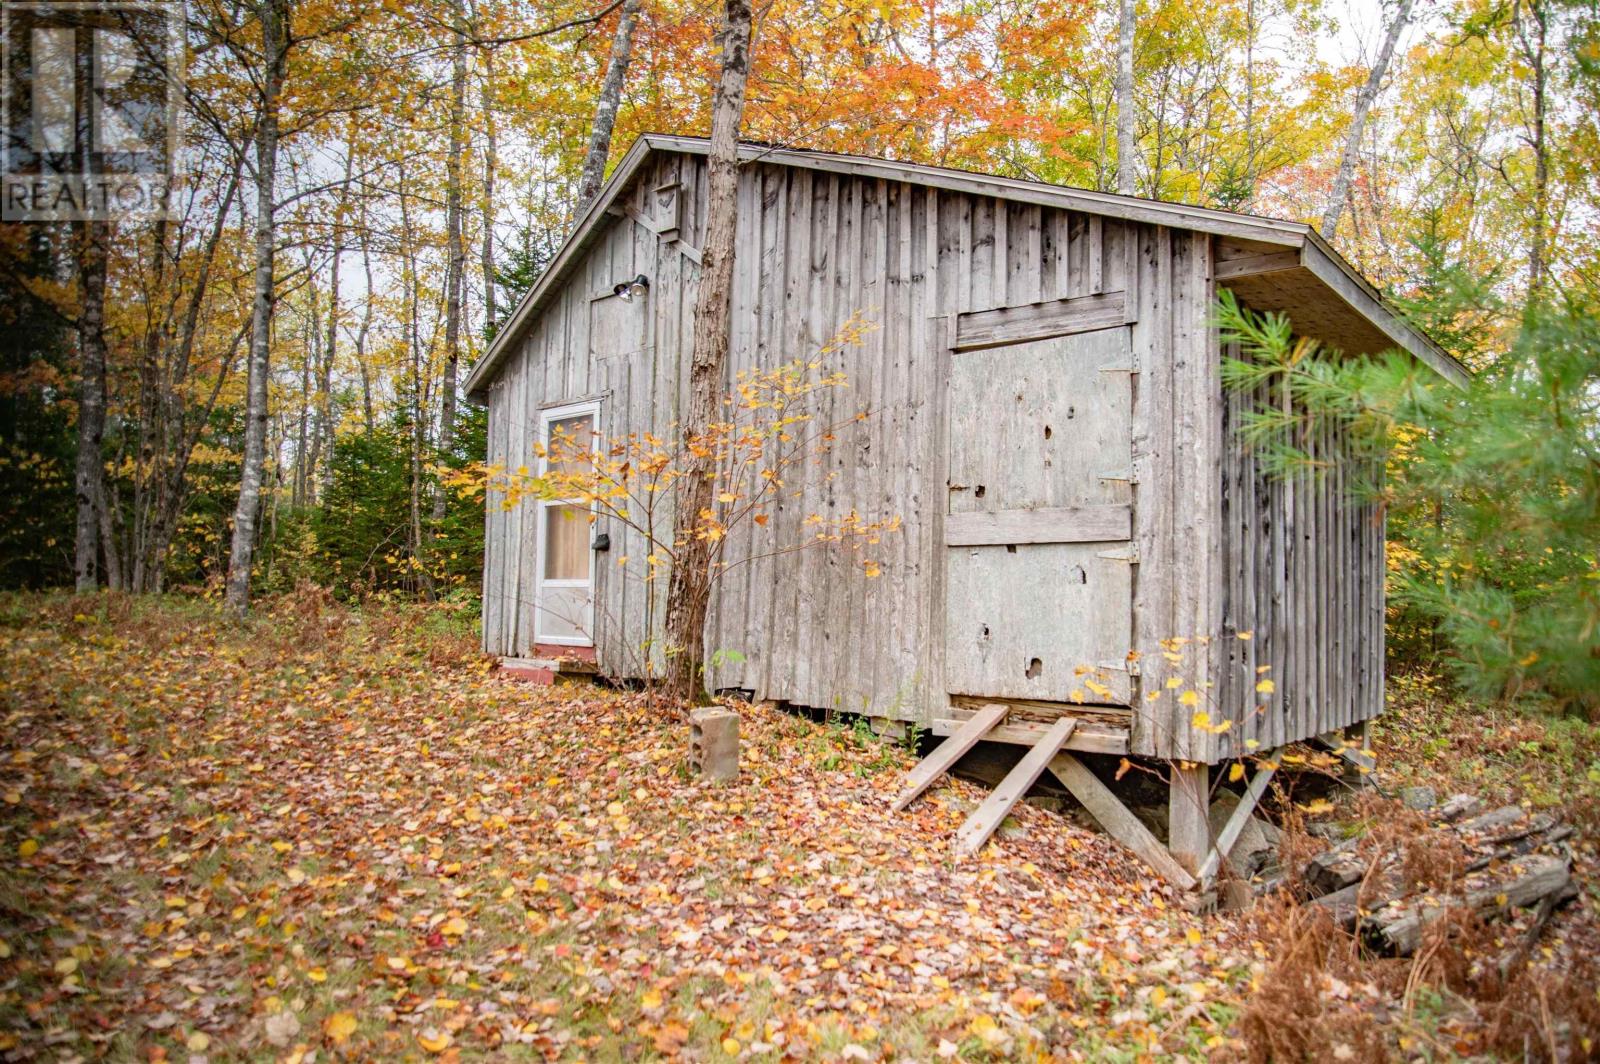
(948, 753)
(1070, 524)
(648, 223)
(987, 817)
(1119, 823)
(1241, 816)
(1340, 744)
(667, 231)
(1255, 265)
(1040, 321)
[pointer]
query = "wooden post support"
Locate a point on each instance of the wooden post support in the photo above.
(1188, 809)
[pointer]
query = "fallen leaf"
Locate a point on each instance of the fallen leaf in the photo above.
(339, 1027)
(433, 1040)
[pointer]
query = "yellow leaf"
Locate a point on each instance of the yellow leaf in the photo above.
(727, 496)
(66, 965)
(541, 884)
(1236, 773)
(1266, 687)
(1193, 936)
(1189, 698)
(433, 1040)
(650, 1000)
(28, 848)
(1158, 996)
(730, 1046)
(454, 926)
(339, 1027)
(317, 975)
(198, 1042)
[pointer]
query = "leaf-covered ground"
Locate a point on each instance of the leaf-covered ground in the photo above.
(328, 833)
(333, 833)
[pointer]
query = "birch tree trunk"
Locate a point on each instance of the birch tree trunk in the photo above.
(491, 162)
(1358, 122)
(1530, 25)
(605, 111)
(689, 593)
(1126, 150)
(456, 252)
(89, 478)
(367, 422)
(274, 39)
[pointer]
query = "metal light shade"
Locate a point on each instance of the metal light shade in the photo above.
(627, 290)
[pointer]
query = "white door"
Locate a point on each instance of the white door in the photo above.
(1038, 581)
(564, 597)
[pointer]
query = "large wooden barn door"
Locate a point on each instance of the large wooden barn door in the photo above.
(1039, 579)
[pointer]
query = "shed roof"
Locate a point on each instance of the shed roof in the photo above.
(1316, 286)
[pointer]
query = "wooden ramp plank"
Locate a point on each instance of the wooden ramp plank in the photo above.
(949, 752)
(1119, 823)
(982, 823)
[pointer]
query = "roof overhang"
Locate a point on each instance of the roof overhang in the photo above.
(1359, 320)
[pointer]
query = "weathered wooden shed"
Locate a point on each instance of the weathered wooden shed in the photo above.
(1051, 427)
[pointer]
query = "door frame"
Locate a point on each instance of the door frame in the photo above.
(547, 416)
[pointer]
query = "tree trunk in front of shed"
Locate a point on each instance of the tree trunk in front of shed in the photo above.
(689, 593)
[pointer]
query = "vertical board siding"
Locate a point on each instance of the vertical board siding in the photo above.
(815, 248)
(1303, 559)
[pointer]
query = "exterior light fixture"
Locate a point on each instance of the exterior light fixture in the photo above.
(627, 291)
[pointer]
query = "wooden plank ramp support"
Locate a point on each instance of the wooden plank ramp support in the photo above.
(1231, 831)
(947, 753)
(1351, 750)
(1091, 737)
(1119, 823)
(987, 817)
